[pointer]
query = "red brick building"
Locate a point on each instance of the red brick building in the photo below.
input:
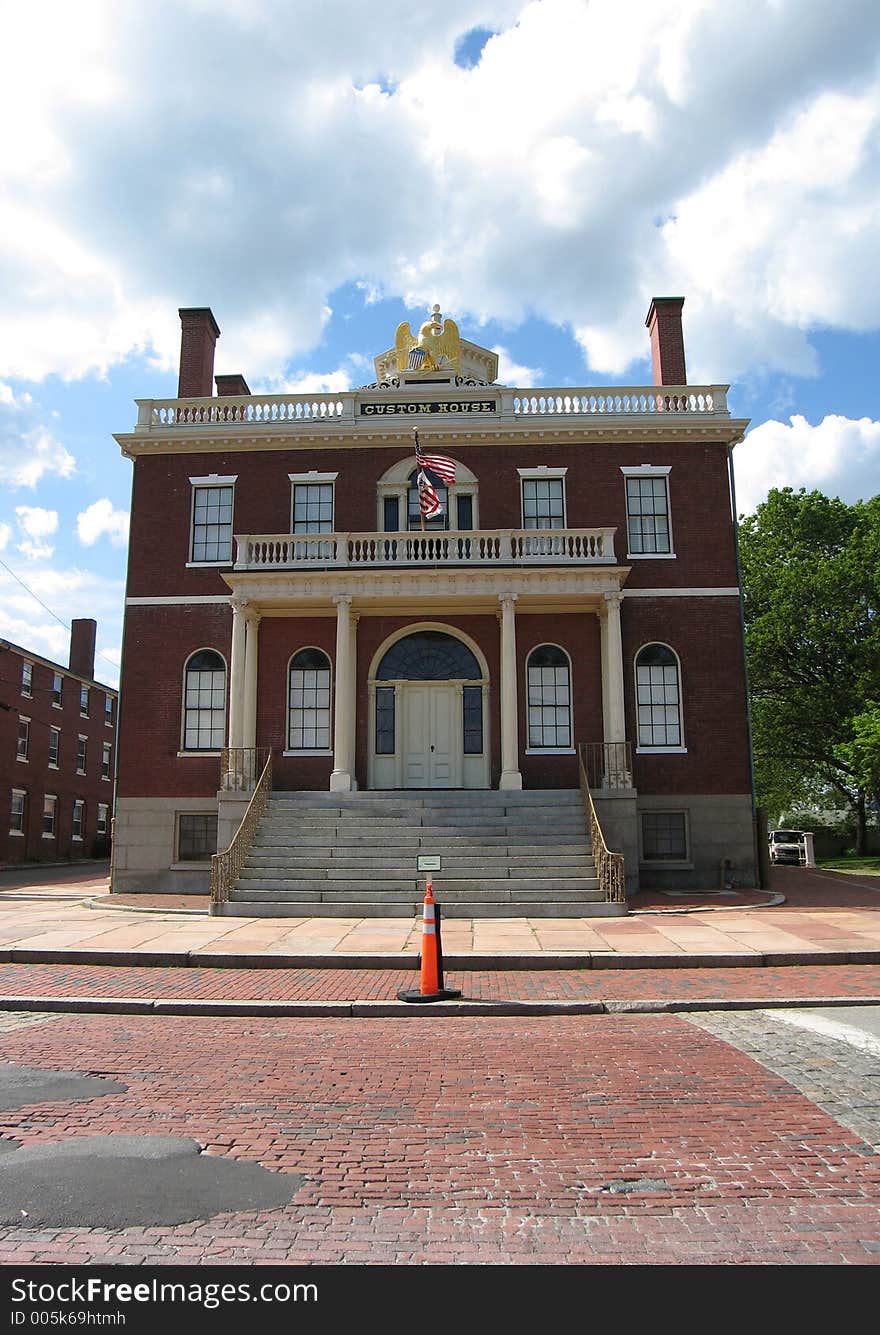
(578, 589)
(57, 752)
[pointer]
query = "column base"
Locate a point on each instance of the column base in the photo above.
(511, 779)
(341, 781)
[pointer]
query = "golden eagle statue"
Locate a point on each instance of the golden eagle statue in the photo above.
(438, 346)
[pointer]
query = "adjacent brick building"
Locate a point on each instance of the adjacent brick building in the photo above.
(57, 753)
(579, 588)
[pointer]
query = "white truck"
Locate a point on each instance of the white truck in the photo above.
(788, 846)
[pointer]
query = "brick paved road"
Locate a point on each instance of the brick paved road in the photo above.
(813, 981)
(589, 1139)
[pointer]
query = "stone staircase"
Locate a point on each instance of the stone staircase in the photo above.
(502, 854)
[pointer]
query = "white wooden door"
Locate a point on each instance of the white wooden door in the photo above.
(432, 739)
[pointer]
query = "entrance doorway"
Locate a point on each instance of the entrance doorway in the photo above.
(428, 714)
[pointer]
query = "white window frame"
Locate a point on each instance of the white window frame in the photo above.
(59, 690)
(199, 483)
(22, 793)
(108, 711)
(103, 819)
(184, 749)
(107, 760)
(23, 759)
(652, 471)
(542, 475)
(54, 732)
(27, 678)
(318, 750)
(674, 863)
(314, 479)
(643, 748)
(82, 753)
(50, 806)
(550, 750)
(79, 809)
(83, 695)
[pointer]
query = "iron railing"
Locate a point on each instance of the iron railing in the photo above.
(609, 866)
(241, 767)
(608, 764)
(226, 866)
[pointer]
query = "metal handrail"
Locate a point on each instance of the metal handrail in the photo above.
(609, 866)
(226, 866)
(608, 764)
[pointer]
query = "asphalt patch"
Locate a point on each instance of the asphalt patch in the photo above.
(23, 1085)
(119, 1181)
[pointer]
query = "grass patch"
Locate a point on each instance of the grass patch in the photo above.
(861, 866)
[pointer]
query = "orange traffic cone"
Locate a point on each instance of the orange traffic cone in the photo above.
(431, 983)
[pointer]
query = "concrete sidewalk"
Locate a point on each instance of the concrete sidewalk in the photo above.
(66, 914)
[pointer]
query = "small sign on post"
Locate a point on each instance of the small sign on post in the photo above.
(428, 861)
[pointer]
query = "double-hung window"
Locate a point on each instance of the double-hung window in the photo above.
(106, 760)
(658, 699)
(543, 497)
(79, 819)
(17, 811)
(204, 709)
(50, 806)
(57, 687)
(84, 701)
(311, 502)
(27, 678)
(54, 747)
(82, 747)
(24, 737)
(308, 722)
(211, 534)
(648, 521)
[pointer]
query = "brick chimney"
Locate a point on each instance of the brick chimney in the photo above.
(231, 384)
(198, 337)
(667, 342)
(82, 647)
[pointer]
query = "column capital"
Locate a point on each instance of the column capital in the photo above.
(238, 602)
(251, 615)
(342, 599)
(507, 599)
(613, 601)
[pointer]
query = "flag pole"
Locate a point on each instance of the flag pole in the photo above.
(418, 488)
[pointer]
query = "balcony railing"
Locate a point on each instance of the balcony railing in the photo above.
(402, 405)
(484, 547)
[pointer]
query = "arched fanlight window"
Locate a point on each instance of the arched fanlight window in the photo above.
(308, 725)
(429, 655)
(658, 697)
(204, 710)
(549, 699)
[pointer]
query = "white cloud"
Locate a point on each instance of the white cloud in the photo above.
(35, 521)
(598, 154)
(513, 373)
(5, 535)
(28, 450)
(29, 618)
(839, 457)
(99, 520)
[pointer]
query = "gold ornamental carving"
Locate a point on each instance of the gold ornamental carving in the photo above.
(436, 348)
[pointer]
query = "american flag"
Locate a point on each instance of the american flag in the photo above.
(429, 501)
(438, 464)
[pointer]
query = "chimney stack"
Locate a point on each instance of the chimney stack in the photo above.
(198, 337)
(82, 647)
(667, 341)
(231, 384)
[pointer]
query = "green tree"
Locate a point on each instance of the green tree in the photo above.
(811, 596)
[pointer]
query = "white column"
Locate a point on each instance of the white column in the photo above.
(510, 775)
(249, 730)
(236, 672)
(612, 670)
(343, 733)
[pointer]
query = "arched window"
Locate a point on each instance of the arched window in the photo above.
(204, 710)
(429, 655)
(658, 696)
(308, 718)
(549, 699)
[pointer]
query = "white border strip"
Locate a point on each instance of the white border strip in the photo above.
(178, 602)
(821, 1024)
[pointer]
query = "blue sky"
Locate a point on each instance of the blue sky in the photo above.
(539, 169)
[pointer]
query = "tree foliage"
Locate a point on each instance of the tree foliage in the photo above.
(811, 596)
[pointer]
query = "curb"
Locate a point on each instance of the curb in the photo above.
(396, 1009)
(535, 960)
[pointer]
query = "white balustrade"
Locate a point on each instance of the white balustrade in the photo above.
(486, 547)
(304, 410)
